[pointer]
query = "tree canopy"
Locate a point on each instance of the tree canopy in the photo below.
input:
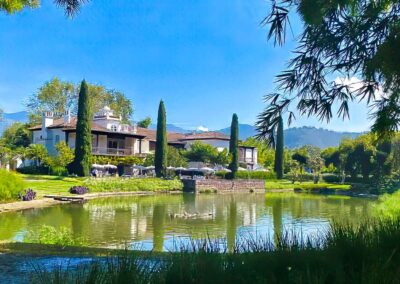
(59, 96)
(71, 7)
(145, 123)
(347, 51)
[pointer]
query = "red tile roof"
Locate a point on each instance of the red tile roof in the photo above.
(149, 134)
(206, 136)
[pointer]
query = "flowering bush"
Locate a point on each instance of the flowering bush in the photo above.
(29, 195)
(78, 190)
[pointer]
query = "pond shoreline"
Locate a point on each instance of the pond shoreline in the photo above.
(46, 202)
(50, 201)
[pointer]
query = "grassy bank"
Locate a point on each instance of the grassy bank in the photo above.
(368, 253)
(132, 184)
(304, 186)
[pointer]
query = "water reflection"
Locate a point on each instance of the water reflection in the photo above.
(157, 222)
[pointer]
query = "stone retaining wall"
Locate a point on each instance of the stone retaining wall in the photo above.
(223, 185)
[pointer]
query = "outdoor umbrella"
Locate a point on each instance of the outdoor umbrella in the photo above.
(207, 169)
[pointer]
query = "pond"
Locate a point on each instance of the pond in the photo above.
(162, 222)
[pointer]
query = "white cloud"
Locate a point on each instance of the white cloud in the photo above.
(201, 128)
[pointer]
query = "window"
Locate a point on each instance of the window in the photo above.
(114, 128)
(112, 144)
(57, 139)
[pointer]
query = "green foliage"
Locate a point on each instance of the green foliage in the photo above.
(141, 184)
(149, 160)
(37, 152)
(348, 38)
(112, 160)
(279, 154)
(83, 148)
(175, 157)
(234, 146)
(160, 158)
(202, 152)
(250, 175)
(331, 156)
(389, 206)
(54, 236)
(145, 123)
(15, 136)
(10, 185)
(58, 164)
(13, 6)
(60, 96)
(365, 253)
(322, 187)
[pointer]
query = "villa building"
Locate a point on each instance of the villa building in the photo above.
(113, 138)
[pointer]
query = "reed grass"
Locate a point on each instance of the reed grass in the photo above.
(366, 253)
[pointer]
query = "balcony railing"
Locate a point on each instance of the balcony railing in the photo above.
(113, 151)
(246, 160)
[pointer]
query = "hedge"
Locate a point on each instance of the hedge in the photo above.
(249, 175)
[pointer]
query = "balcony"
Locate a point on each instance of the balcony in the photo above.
(113, 151)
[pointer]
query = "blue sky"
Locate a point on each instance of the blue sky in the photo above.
(206, 59)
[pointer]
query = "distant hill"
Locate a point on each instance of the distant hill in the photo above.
(172, 128)
(323, 138)
(300, 136)
(21, 116)
(10, 118)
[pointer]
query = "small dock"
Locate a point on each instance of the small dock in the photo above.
(72, 199)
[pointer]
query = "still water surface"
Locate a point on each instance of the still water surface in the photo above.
(163, 221)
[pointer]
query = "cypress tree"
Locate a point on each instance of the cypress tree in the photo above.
(234, 146)
(160, 159)
(278, 166)
(83, 144)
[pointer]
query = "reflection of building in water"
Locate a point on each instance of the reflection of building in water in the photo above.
(116, 221)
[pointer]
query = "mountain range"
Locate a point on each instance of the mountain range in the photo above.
(294, 137)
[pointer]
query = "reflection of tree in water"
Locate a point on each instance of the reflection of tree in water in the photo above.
(80, 220)
(231, 226)
(9, 227)
(158, 226)
(277, 219)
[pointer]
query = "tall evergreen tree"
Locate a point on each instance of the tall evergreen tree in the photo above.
(83, 144)
(278, 166)
(160, 159)
(234, 145)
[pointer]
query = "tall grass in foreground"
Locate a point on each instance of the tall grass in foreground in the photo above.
(368, 253)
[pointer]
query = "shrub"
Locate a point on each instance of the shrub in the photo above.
(59, 171)
(34, 170)
(300, 177)
(249, 175)
(29, 195)
(140, 184)
(331, 178)
(10, 185)
(78, 190)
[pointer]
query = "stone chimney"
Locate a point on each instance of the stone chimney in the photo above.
(134, 127)
(67, 117)
(47, 120)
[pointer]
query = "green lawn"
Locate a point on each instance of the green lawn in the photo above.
(287, 184)
(55, 185)
(50, 185)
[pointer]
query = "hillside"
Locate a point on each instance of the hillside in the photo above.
(300, 136)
